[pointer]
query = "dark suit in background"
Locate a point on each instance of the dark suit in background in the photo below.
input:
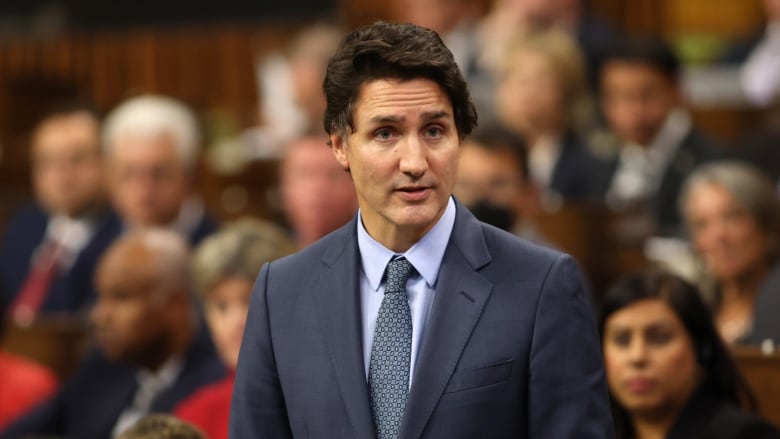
(766, 325)
(694, 150)
(71, 290)
(707, 416)
(91, 401)
(510, 348)
(203, 228)
(573, 175)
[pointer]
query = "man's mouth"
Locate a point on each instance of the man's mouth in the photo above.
(414, 192)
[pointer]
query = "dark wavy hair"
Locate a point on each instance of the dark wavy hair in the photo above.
(721, 377)
(652, 52)
(386, 50)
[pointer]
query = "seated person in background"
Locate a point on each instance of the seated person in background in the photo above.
(50, 248)
(733, 216)
(225, 266)
(151, 147)
(23, 384)
(670, 375)
(160, 426)
(493, 181)
(574, 17)
(318, 196)
(290, 83)
(657, 143)
(542, 95)
(456, 22)
(152, 353)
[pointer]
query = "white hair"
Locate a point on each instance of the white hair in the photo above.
(150, 116)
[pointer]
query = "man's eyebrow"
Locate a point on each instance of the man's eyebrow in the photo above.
(387, 119)
(426, 117)
(431, 115)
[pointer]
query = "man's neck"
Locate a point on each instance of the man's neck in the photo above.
(173, 345)
(398, 238)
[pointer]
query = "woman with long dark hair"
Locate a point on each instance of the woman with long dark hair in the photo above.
(669, 373)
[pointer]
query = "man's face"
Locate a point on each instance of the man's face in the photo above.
(131, 310)
(318, 196)
(636, 99)
(489, 175)
(147, 179)
(402, 154)
(67, 167)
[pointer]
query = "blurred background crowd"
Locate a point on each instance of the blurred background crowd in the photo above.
(153, 155)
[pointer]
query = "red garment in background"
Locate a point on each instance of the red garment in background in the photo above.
(23, 385)
(209, 408)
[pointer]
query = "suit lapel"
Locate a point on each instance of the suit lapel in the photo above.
(461, 294)
(338, 307)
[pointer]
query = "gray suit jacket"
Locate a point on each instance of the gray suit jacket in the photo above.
(510, 349)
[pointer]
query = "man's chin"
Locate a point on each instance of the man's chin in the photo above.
(418, 217)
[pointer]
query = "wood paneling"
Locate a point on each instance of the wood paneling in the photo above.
(762, 372)
(211, 68)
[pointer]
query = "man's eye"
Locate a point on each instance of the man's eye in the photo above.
(383, 134)
(434, 131)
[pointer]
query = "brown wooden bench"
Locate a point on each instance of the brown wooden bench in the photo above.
(762, 373)
(55, 342)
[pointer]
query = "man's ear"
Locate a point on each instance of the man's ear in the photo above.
(338, 145)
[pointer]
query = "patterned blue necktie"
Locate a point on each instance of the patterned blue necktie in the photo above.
(388, 371)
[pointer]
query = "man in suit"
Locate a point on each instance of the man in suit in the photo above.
(494, 183)
(50, 247)
(471, 332)
(152, 353)
(151, 145)
(658, 146)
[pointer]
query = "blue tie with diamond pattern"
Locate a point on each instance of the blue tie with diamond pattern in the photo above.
(391, 352)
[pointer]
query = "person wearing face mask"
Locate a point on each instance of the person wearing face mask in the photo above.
(493, 181)
(669, 374)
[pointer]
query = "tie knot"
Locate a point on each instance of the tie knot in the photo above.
(397, 273)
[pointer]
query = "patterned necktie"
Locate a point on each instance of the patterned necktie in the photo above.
(388, 372)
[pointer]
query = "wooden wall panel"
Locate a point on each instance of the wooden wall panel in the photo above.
(210, 68)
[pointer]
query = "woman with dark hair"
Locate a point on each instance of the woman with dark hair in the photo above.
(670, 375)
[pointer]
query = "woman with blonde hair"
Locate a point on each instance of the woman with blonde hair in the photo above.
(542, 94)
(225, 266)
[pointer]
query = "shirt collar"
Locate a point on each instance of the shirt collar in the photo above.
(190, 215)
(425, 255)
(668, 139)
(163, 378)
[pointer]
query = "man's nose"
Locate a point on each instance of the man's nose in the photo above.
(414, 157)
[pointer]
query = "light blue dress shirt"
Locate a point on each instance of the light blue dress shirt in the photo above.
(425, 256)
